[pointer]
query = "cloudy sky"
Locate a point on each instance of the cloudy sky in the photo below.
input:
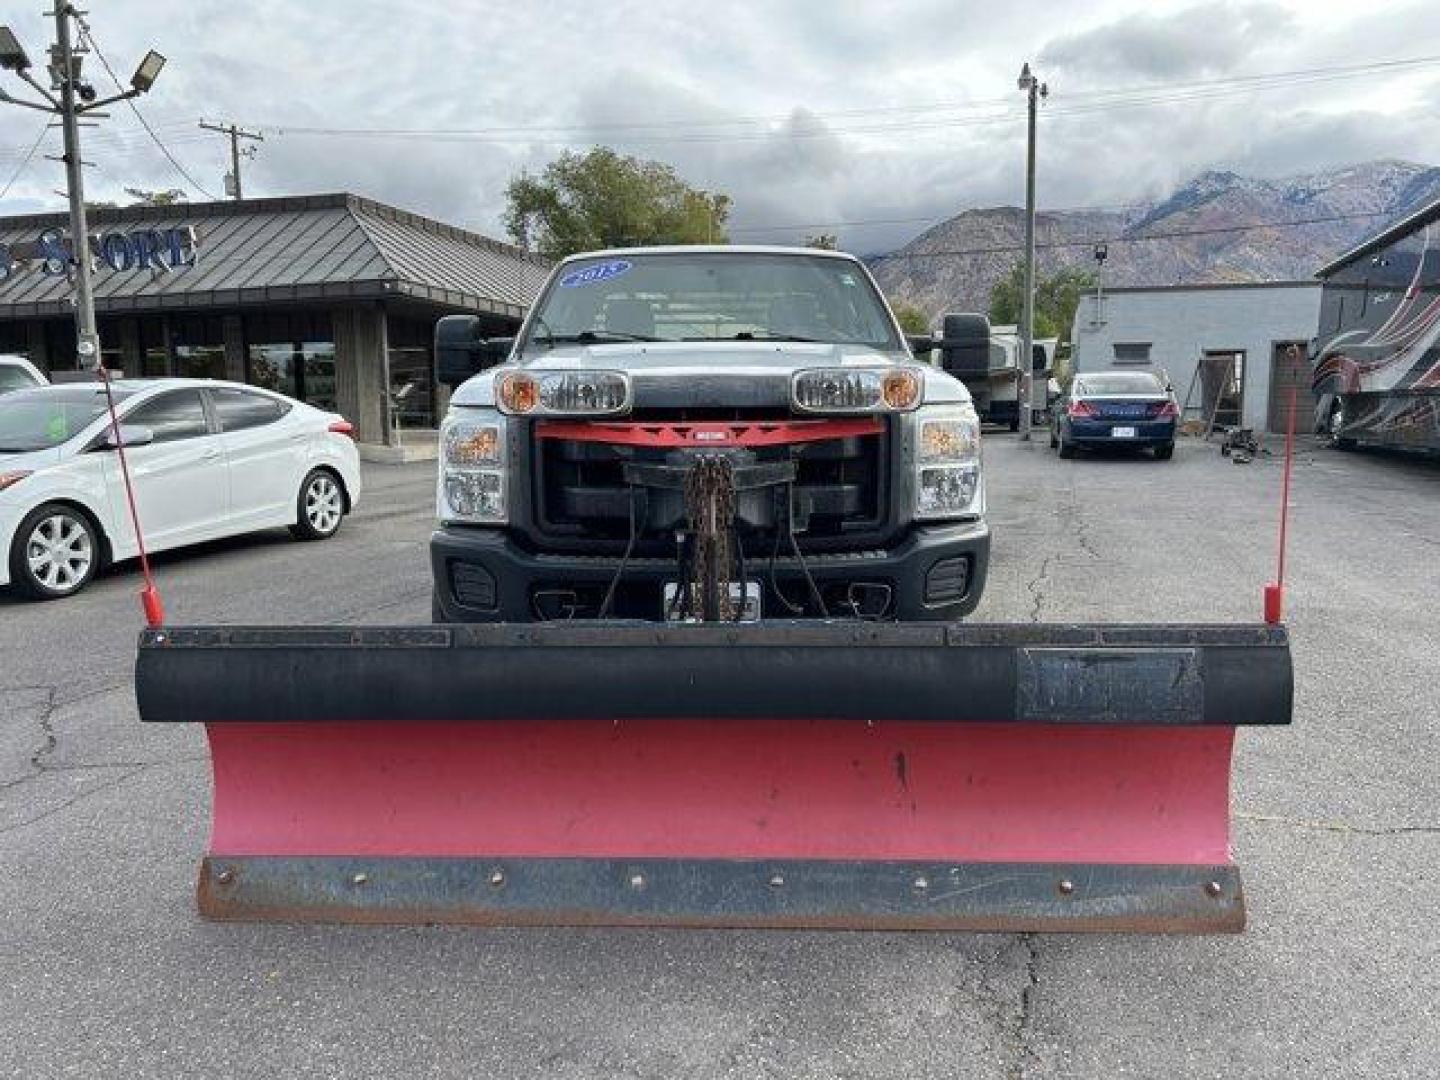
(814, 115)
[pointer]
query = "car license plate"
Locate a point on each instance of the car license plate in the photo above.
(749, 613)
(1122, 433)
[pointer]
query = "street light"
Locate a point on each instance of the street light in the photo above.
(73, 97)
(147, 72)
(1102, 252)
(1034, 91)
(12, 53)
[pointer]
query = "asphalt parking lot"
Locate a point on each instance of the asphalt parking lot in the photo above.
(106, 970)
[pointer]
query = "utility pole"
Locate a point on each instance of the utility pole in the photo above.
(65, 68)
(76, 98)
(232, 185)
(1034, 91)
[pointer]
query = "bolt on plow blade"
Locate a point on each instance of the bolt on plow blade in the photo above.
(1049, 777)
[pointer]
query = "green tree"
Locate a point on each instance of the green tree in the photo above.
(602, 199)
(912, 320)
(1056, 298)
(167, 197)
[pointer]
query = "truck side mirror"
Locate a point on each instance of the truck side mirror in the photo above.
(965, 344)
(461, 350)
(921, 343)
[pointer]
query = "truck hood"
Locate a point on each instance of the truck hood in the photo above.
(737, 364)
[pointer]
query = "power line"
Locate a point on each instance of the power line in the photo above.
(89, 39)
(1076, 103)
(29, 154)
(1172, 234)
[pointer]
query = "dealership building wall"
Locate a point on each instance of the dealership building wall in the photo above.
(328, 298)
(1171, 328)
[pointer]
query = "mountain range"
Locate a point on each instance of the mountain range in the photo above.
(1220, 226)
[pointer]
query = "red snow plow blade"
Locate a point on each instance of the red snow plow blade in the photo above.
(782, 775)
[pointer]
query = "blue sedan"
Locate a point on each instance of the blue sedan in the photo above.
(1115, 408)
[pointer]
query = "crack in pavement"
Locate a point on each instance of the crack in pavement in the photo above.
(51, 741)
(1340, 826)
(96, 790)
(1035, 590)
(1017, 1031)
(1072, 516)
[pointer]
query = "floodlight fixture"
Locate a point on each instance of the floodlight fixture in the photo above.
(12, 53)
(148, 71)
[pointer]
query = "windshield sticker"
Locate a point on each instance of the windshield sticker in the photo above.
(847, 279)
(591, 274)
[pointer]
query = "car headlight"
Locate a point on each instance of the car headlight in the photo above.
(948, 482)
(856, 390)
(473, 469)
(563, 393)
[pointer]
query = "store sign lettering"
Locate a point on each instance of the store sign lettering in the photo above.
(157, 250)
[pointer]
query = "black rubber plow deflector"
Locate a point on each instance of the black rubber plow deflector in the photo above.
(1230, 675)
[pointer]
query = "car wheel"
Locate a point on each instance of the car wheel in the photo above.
(1165, 452)
(1066, 447)
(1015, 424)
(321, 506)
(1053, 442)
(55, 553)
(1337, 425)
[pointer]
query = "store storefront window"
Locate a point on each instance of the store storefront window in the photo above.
(412, 370)
(293, 354)
(15, 340)
(199, 343)
(60, 344)
(154, 356)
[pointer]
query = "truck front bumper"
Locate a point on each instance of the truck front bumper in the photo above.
(936, 572)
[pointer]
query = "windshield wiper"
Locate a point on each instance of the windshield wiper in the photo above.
(598, 335)
(765, 335)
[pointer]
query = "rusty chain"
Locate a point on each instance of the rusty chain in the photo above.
(710, 513)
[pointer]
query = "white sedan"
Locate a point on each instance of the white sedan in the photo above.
(207, 458)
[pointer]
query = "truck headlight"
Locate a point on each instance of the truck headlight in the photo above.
(946, 490)
(564, 393)
(473, 469)
(855, 390)
(475, 495)
(948, 483)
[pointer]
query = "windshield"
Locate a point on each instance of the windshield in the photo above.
(48, 416)
(712, 297)
(1136, 383)
(15, 377)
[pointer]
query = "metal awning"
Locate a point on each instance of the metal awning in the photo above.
(306, 249)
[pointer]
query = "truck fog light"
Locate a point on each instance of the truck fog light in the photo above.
(476, 495)
(946, 490)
